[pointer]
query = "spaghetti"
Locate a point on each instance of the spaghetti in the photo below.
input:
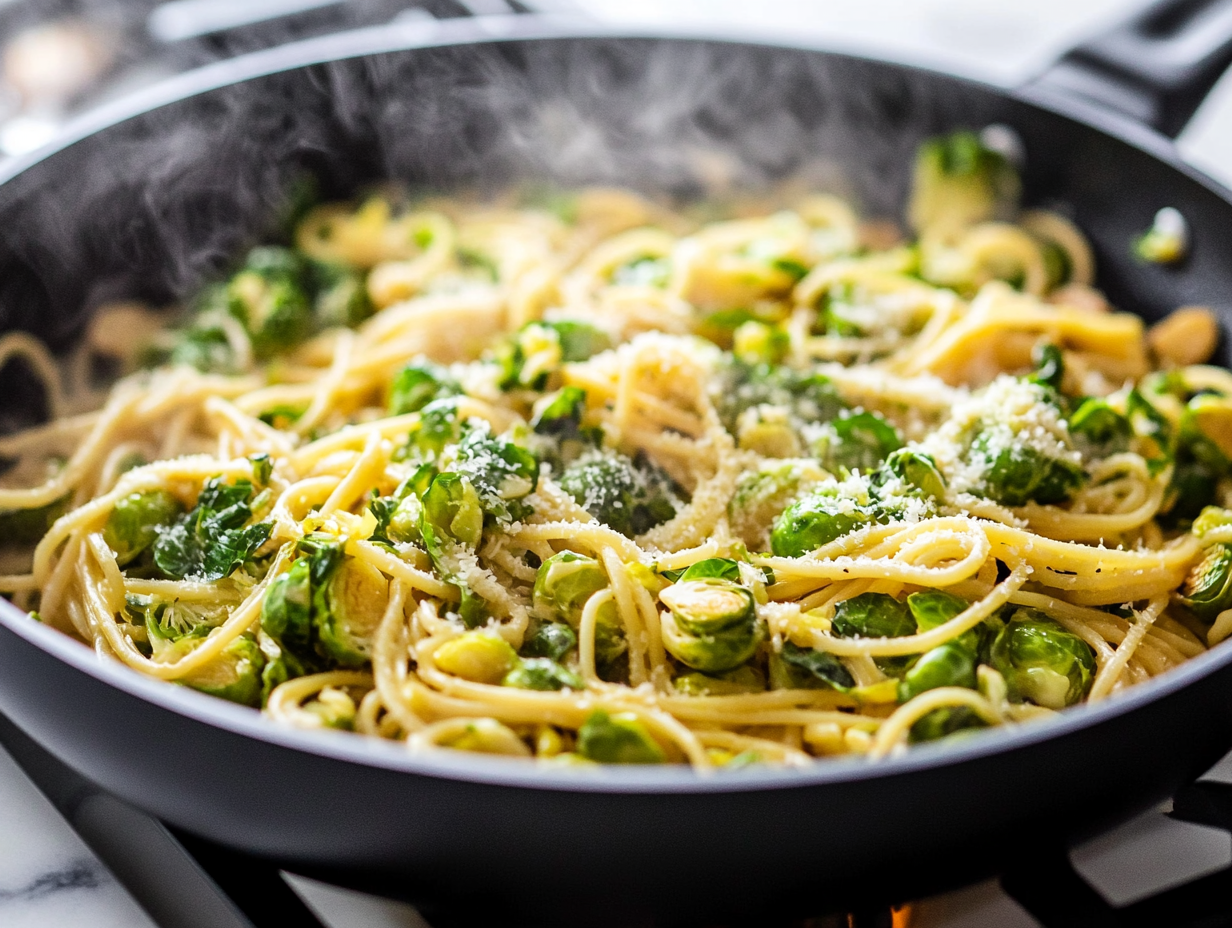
(605, 482)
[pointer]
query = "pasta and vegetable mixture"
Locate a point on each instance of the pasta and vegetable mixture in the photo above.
(586, 480)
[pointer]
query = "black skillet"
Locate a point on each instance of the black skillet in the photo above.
(158, 194)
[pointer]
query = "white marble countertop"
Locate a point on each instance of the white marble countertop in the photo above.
(50, 879)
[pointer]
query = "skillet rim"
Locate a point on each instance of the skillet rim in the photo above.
(605, 779)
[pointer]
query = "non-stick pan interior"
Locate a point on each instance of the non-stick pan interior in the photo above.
(153, 206)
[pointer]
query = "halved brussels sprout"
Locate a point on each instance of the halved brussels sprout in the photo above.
(286, 611)
(1014, 473)
(712, 625)
(479, 656)
(1099, 427)
(485, 736)
(941, 723)
(1208, 588)
(1042, 661)
(133, 524)
(451, 514)
(960, 181)
(860, 441)
(617, 739)
(234, 675)
(564, 583)
(630, 499)
(872, 615)
(759, 342)
(918, 470)
(933, 608)
(347, 611)
(419, 384)
(815, 520)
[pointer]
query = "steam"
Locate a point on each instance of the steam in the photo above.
(156, 206)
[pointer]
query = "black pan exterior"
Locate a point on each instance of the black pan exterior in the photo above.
(153, 205)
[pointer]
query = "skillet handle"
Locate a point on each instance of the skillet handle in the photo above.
(1155, 67)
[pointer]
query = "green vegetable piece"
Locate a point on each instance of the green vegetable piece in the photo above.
(959, 181)
(1042, 661)
(347, 610)
(28, 526)
(234, 675)
(615, 491)
(740, 387)
(280, 665)
(933, 608)
(733, 683)
(286, 611)
(202, 346)
(797, 668)
(617, 739)
(579, 341)
(759, 342)
(542, 673)
(1211, 518)
(1208, 588)
(815, 520)
(341, 295)
(478, 656)
(552, 640)
(452, 514)
(721, 568)
(1166, 241)
(1015, 473)
(872, 615)
(564, 583)
(419, 384)
(1099, 427)
(500, 471)
(859, 441)
(949, 664)
(1049, 367)
(942, 723)
(562, 417)
(134, 523)
(534, 353)
(397, 520)
(438, 426)
(212, 540)
(916, 469)
(268, 296)
(712, 625)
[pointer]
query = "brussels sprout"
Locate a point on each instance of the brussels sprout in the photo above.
(203, 346)
(451, 514)
(760, 343)
(347, 610)
(501, 472)
(859, 441)
(1200, 458)
(1208, 588)
(1099, 428)
(617, 739)
(615, 491)
(562, 416)
(286, 611)
(1211, 518)
(807, 397)
(959, 181)
(234, 675)
(949, 664)
(797, 668)
(548, 639)
(280, 665)
(419, 384)
(438, 427)
(872, 615)
(941, 723)
(135, 521)
(268, 296)
(397, 520)
(564, 583)
(933, 608)
(334, 708)
(733, 683)
(712, 625)
(762, 495)
(1015, 473)
(540, 347)
(479, 656)
(818, 519)
(28, 526)
(341, 295)
(1042, 661)
(485, 736)
(542, 673)
(916, 469)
